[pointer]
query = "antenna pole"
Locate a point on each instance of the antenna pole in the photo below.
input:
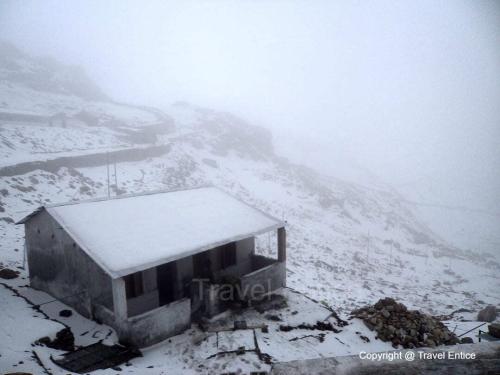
(390, 257)
(116, 180)
(368, 247)
(107, 170)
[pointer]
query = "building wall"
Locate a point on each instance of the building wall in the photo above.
(157, 325)
(59, 267)
(145, 302)
(264, 280)
(152, 326)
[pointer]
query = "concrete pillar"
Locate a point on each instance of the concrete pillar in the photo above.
(119, 299)
(282, 244)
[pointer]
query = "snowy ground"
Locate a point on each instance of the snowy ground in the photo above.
(196, 350)
(212, 349)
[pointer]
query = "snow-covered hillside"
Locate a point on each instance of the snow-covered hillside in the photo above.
(348, 245)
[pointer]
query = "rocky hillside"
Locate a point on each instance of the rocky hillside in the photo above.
(45, 75)
(347, 244)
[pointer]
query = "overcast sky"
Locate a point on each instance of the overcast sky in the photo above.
(408, 89)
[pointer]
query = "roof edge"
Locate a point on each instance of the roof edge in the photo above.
(124, 196)
(30, 215)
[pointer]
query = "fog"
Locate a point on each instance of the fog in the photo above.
(409, 91)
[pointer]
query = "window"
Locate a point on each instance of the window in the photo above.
(133, 285)
(228, 255)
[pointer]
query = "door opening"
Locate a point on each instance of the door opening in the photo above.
(166, 276)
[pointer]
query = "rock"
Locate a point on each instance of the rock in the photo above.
(65, 313)
(64, 340)
(370, 326)
(274, 318)
(494, 330)
(386, 314)
(7, 273)
(488, 314)
(466, 340)
(240, 350)
(431, 343)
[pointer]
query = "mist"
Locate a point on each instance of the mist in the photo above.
(402, 94)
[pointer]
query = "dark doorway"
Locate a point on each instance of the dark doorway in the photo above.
(166, 276)
(202, 267)
(227, 254)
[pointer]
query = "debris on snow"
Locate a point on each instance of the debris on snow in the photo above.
(64, 340)
(8, 274)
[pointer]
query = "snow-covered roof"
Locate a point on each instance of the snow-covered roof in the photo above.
(129, 234)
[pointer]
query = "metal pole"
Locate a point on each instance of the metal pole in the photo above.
(390, 260)
(368, 247)
(107, 170)
(116, 181)
(24, 254)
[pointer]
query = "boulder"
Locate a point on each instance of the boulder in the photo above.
(65, 313)
(7, 273)
(494, 330)
(488, 314)
(64, 340)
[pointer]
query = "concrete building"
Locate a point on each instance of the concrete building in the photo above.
(148, 264)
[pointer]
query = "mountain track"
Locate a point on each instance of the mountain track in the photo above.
(86, 160)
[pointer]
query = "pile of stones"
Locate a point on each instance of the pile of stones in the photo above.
(411, 329)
